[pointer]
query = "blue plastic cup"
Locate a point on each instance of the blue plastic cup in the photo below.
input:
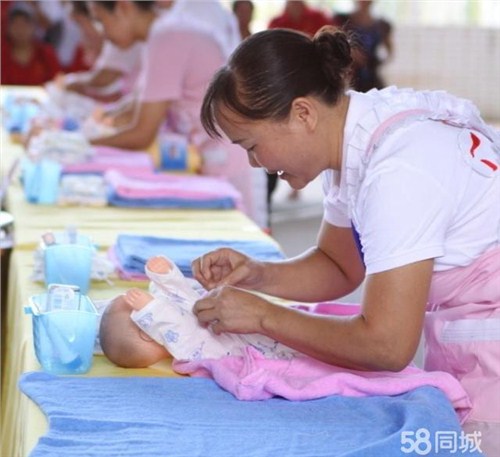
(69, 264)
(64, 339)
(41, 181)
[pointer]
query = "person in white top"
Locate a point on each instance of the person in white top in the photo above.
(412, 198)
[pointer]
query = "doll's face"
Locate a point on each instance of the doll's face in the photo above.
(123, 342)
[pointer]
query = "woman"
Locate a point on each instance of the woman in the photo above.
(180, 55)
(411, 182)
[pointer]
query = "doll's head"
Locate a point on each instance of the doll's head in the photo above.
(123, 342)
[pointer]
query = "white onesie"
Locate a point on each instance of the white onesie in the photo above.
(169, 320)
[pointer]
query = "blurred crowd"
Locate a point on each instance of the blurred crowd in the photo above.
(106, 51)
(41, 38)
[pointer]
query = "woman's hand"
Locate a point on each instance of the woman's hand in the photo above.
(226, 266)
(229, 309)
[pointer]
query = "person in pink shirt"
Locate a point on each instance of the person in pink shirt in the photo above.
(180, 56)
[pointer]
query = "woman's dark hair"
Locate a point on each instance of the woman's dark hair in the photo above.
(145, 5)
(272, 68)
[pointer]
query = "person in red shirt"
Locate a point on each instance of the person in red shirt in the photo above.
(298, 16)
(25, 59)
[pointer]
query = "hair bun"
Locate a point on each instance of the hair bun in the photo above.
(334, 49)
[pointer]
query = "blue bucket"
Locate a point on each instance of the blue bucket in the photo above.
(64, 338)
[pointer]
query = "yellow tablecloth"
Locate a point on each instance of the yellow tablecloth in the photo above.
(22, 421)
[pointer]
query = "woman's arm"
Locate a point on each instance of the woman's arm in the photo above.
(386, 334)
(383, 337)
(330, 270)
(143, 129)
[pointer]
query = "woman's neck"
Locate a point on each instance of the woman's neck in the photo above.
(22, 52)
(144, 23)
(337, 119)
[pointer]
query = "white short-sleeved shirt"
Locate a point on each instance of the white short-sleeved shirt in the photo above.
(430, 190)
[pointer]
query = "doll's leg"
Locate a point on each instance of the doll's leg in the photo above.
(138, 298)
(159, 264)
(169, 280)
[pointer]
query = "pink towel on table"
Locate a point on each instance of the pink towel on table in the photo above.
(108, 158)
(253, 377)
(144, 185)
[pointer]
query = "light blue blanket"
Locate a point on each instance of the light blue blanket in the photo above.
(193, 417)
(132, 251)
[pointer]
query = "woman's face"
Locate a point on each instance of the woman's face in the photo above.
(21, 30)
(117, 24)
(279, 147)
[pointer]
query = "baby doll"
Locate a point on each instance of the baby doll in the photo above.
(140, 328)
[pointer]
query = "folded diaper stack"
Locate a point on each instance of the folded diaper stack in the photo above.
(61, 146)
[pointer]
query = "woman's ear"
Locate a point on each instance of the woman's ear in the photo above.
(304, 114)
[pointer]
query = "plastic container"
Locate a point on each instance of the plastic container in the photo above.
(41, 180)
(63, 336)
(68, 262)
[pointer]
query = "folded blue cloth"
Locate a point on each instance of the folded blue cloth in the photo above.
(133, 251)
(170, 202)
(193, 417)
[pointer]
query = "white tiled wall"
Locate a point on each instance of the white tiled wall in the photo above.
(462, 61)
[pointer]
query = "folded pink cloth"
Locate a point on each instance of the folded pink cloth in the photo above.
(108, 158)
(253, 377)
(144, 185)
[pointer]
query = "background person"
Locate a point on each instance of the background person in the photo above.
(26, 60)
(180, 56)
(243, 10)
(373, 38)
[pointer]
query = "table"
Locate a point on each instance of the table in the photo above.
(22, 421)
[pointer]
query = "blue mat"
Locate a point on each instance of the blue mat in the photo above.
(193, 417)
(133, 251)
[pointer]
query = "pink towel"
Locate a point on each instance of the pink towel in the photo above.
(108, 158)
(253, 377)
(143, 185)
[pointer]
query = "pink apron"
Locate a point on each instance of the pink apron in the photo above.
(462, 331)
(462, 325)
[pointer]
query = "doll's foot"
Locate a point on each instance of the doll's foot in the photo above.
(137, 298)
(159, 264)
